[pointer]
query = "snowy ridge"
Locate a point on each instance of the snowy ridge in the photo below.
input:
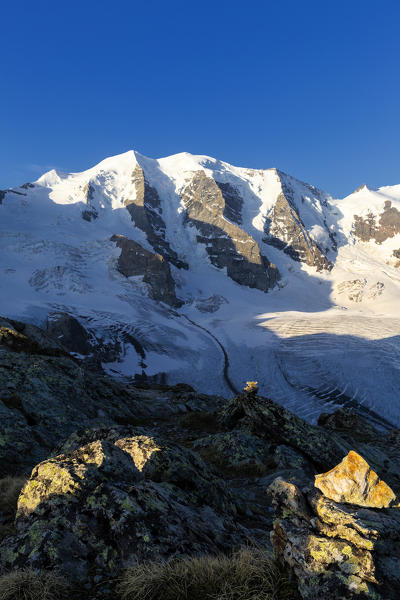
(316, 340)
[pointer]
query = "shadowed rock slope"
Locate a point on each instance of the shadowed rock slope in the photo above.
(125, 474)
(146, 212)
(285, 230)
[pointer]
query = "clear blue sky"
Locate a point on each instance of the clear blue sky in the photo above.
(311, 87)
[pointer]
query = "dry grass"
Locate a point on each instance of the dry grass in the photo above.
(10, 488)
(30, 585)
(250, 574)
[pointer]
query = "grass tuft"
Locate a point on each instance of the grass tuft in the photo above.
(250, 574)
(28, 584)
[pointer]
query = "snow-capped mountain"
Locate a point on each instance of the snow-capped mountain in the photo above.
(188, 269)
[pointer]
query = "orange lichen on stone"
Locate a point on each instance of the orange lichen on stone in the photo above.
(353, 481)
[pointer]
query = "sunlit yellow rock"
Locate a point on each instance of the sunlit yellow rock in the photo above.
(354, 481)
(251, 386)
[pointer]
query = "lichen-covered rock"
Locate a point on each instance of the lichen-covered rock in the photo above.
(235, 452)
(348, 423)
(353, 481)
(322, 448)
(337, 551)
(277, 425)
(46, 395)
(118, 500)
(23, 337)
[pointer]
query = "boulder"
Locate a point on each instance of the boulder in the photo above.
(120, 499)
(349, 424)
(235, 453)
(319, 446)
(354, 481)
(337, 551)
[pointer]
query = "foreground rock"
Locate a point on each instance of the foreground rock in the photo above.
(46, 395)
(339, 551)
(124, 498)
(354, 481)
(135, 260)
(321, 446)
(127, 474)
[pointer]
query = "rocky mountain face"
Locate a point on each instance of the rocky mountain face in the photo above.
(134, 260)
(370, 228)
(120, 474)
(208, 207)
(285, 229)
(146, 212)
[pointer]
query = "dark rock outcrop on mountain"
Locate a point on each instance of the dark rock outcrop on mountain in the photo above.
(233, 202)
(90, 213)
(396, 254)
(226, 243)
(146, 212)
(367, 228)
(69, 332)
(339, 549)
(155, 270)
(285, 230)
(3, 193)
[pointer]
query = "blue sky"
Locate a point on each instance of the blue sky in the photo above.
(310, 87)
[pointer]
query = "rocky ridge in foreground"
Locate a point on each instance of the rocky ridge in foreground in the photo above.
(123, 474)
(339, 549)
